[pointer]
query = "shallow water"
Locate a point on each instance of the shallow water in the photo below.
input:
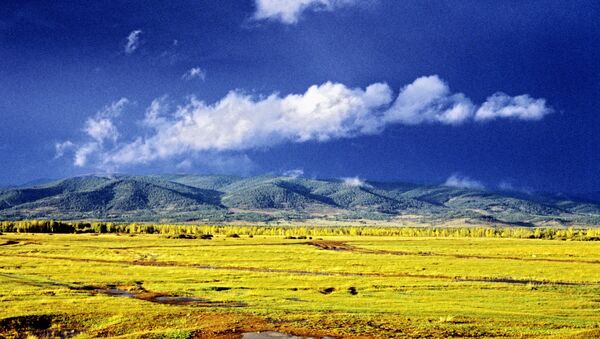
(116, 292)
(270, 335)
(275, 335)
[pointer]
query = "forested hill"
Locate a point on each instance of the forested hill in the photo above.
(215, 198)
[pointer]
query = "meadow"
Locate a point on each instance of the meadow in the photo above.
(175, 283)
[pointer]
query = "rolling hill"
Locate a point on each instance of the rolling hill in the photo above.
(265, 198)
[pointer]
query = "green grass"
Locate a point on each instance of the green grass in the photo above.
(437, 287)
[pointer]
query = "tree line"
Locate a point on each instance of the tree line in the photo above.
(53, 226)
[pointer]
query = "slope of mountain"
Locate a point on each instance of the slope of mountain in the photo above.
(225, 198)
(101, 197)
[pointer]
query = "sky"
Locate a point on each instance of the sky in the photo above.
(499, 95)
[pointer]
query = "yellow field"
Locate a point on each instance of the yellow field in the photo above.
(148, 285)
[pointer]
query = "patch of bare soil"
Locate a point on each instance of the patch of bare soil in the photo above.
(332, 245)
(138, 292)
(43, 326)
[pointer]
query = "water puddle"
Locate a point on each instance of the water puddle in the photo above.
(115, 292)
(162, 298)
(276, 335)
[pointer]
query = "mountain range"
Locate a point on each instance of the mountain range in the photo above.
(219, 198)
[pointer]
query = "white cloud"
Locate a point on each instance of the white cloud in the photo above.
(114, 109)
(240, 122)
(133, 41)
(522, 107)
(194, 73)
(459, 181)
(62, 147)
(83, 152)
(99, 129)
(428, 99)
(355, 182)
(295, 173)
(154, 116)
(290, 11)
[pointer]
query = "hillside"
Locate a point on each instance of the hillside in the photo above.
(264, 198)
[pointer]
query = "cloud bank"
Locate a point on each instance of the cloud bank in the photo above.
(290, 11)
(240, 121)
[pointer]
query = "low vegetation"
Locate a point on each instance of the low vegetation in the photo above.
(175, 281)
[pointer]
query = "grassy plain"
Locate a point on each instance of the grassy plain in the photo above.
(144, 285)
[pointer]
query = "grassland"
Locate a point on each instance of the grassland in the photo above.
(150, 285)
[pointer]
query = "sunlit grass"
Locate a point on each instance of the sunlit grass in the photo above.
(405, 286)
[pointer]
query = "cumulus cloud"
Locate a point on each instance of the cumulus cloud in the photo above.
(100, 128)
(522, 107)
(355, 182)
(290, 11)
(459, 181)
(428, 99)
(194, 73)
(133, 41)
(240, 122)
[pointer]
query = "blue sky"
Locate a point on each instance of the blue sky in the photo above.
(495, 94)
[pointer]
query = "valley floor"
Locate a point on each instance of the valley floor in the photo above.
(90, 285)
